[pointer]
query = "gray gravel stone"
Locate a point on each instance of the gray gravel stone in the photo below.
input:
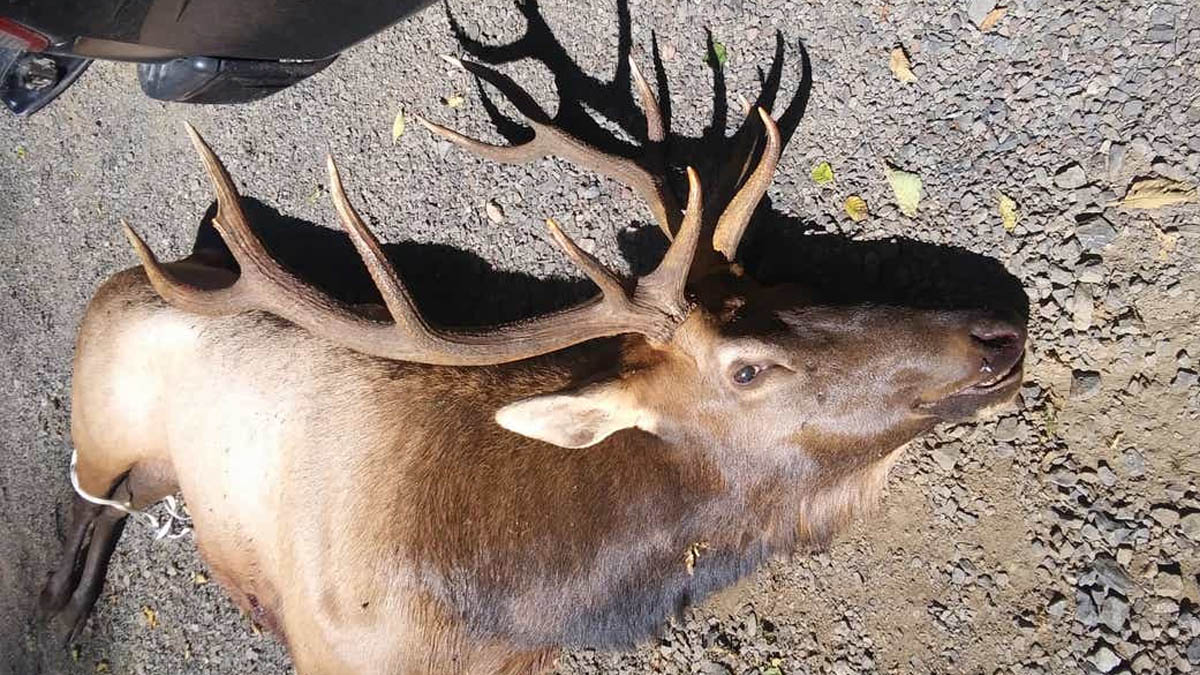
(1114, 613)
(1105, 659)
(1084, 384)
(1070, 177)
(1095, 234)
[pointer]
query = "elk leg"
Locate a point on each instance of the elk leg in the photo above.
(105, 533)
(145, 484)
(63, 580)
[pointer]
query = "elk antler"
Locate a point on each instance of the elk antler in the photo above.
(733, 221)
(653, 309)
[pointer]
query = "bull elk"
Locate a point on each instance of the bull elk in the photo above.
(391, 496)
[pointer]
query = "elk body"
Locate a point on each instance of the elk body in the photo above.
(391, 497)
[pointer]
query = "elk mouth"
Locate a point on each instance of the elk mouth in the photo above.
(998, 387)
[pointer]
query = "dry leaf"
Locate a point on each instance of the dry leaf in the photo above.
(901, 66)
(453, 101)
(1155, 193)
(398, 126)
(822, 173)
(856, 208)
(102, 666)
(1008, 212)
(199, 579)
(494, 212)
(993, 17)
(692, 554)
(907, 188)
(151, 617)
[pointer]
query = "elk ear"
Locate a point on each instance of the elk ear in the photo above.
(573, 419)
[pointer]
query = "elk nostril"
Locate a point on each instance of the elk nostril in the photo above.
(997, 336)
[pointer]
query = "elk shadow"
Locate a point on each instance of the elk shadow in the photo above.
(457, 288)
(777, 247)
(451, 287)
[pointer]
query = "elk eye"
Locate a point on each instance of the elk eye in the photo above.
(746, 374)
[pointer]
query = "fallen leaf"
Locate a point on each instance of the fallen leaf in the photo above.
(199, 578)
(453, 101)
(1008, 211)
(993, 17)
(856, 208)
(75, 653)
(494, 212)
(398, 127)
(772, 670)
(21, 152)
(102, 666)
(719, 54)
(151, 617)
(901, 66)
(822, 173)
(314, 195)
(691, 555)
(1155, 193)
(907, 187)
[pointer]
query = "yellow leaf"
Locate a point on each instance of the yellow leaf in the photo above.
(856, 208)
(151, 617)
(1155, 193)
(1008, 212)
(398, 127)
(993, 17)
(199, 578)
(102, 666)
(907, 187)
(21, 152)
(901, 66)
(822, 173)
(453, 101)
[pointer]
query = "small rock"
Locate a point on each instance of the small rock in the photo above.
(1168, 583)
(1109, 573)
(1084, 384)
(947, 455)
(1114, 613)
(1006, 430)
(1134, 463)
(1085, 610)
(1184, 379)
(1190, 526)
(1095, 234)
(1104, 659)
(1164, 515)
(1193, 651)
(978, 10)
(714, 668)
(1070, 177)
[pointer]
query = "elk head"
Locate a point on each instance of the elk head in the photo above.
(716, 361)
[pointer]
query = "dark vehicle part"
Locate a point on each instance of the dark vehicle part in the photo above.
(203, 79)
(210, 51)
(28, 80)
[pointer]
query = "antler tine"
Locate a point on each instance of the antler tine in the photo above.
(550, 140)
(667, 283)
(395, 294)
(733, 221)
(600, 275)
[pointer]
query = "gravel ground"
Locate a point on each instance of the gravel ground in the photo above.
(1063, 536)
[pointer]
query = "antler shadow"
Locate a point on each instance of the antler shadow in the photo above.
(778, 247)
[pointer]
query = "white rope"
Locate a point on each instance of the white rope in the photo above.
(161, 530)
